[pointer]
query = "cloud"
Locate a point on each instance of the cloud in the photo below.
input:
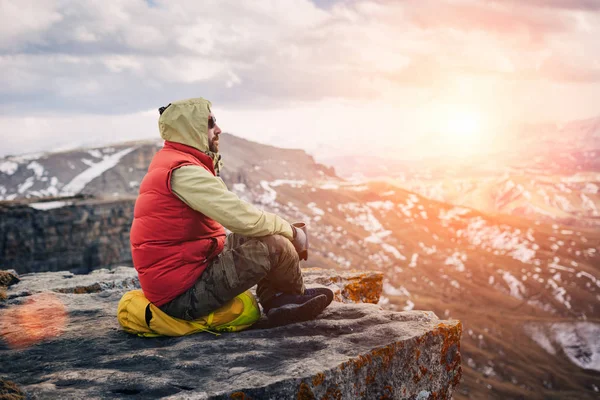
(96, 54)
(66, 59)
(589, 5)
(25, 21)
(561, 70)
(39, 133)
(497, 18)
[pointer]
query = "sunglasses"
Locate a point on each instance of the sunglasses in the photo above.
(212, 121)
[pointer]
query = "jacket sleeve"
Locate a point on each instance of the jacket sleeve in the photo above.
(206, 193)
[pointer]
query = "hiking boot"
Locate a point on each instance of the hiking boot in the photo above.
(291, 313)
(320, 290)
(284, 298)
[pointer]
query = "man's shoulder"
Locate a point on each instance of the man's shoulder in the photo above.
(192, 169)
(196, 173)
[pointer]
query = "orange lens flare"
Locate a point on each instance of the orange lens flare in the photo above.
(42, 317)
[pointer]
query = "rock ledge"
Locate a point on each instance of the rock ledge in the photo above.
(351, 351)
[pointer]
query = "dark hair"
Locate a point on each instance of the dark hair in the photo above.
(162, 109)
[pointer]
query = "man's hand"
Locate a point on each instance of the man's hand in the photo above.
(300, 241)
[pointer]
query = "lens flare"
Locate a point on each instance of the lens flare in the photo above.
(42, 317)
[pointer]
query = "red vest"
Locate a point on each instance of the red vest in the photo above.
(171, 243)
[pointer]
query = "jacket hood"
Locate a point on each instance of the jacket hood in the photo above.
(186, 122)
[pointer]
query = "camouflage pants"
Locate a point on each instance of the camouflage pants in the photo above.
(269, 261)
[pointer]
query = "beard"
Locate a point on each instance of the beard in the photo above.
(213, 145)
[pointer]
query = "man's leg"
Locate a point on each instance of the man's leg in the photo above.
(286, 276)
(269, 261)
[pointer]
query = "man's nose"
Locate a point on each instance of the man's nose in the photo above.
(217, 129)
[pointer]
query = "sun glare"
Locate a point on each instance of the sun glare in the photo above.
(459, 131)
(463, 125)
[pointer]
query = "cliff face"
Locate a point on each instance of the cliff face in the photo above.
(81, 237)
(351, 351)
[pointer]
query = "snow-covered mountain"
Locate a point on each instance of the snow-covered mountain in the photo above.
(116, 171)
(71, 173)
(569, 199)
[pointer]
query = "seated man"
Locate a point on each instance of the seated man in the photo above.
(186, 263)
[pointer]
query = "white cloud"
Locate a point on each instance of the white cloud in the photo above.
(25, 20)
(52, 133)
(362, 67)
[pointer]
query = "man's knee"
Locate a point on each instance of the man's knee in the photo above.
(280, 248)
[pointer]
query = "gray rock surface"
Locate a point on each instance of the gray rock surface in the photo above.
(350, 351)
(347, 286)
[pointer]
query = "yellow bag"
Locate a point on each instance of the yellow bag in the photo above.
(135, 310)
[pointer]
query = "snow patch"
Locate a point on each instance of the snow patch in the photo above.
(269, 196)
(291, 182)
(25, 185)
(560, 293)
(96, 169)
(591, 188)
(517, 289)
(537, 334)
(8, 167)
(26, 157)
(316, 210)
(329, 186)
(359, 188)
(410, 204)
(588, 204)
(413, 261)
(362, 215)
(452, 214)
(580, 341)
(392, 250)
(589, 276)
(378, 205)
(95, 153)
(456, 260)
(239, 187)
(428, 250)
(49, 205)
(37, 168)
(505, 241)
(392, 291)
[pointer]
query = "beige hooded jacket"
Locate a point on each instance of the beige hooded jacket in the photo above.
(186, 122)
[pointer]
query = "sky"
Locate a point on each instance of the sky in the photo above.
(331, 77)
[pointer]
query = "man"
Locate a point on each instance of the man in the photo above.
(186, 263)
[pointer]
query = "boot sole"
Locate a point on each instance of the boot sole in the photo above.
(292, 313)
(322, 291)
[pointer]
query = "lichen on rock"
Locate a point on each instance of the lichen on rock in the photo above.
(348, 286)
(10, 391)
(8, 278)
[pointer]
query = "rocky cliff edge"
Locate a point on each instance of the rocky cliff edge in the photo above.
(60, 339)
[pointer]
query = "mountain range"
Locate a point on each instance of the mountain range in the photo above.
(544, 172)
(509, 245)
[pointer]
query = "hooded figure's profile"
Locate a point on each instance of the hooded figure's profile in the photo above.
(188, 265)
